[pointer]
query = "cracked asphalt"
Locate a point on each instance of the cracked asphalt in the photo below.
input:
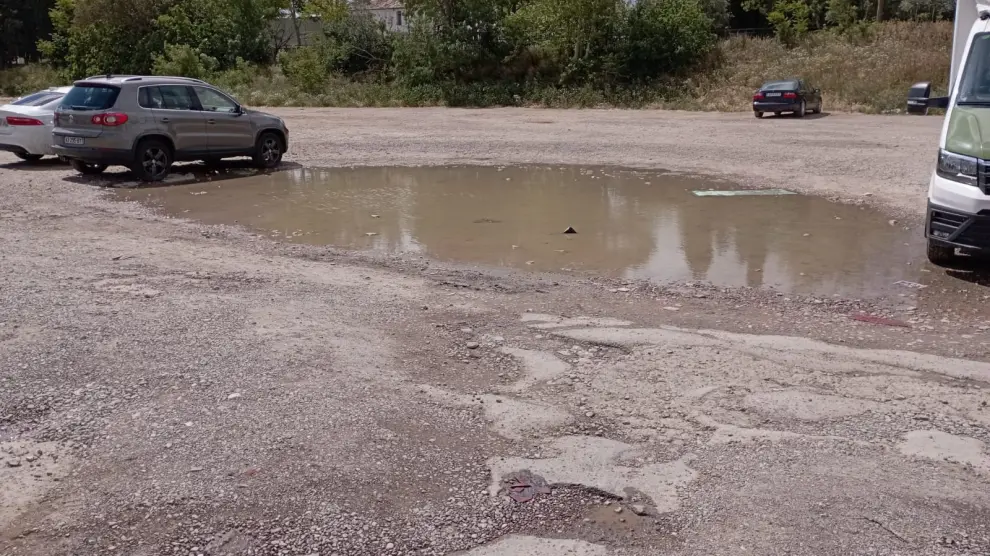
(173, 388)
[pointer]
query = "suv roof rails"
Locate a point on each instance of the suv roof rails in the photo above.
(107, 76)
(129, 79)
(194, 80)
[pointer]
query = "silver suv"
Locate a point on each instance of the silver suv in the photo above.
(147, 123)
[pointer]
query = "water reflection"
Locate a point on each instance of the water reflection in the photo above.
(633, 224)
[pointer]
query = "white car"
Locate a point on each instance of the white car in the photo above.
(26, 124)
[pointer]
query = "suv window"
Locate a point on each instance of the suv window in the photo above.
(214, 101)
(150, 97)
(91, 97)
(178, 97)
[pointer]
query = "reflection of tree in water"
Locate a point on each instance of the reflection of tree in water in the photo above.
(757, 230)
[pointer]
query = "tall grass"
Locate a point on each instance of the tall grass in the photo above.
(867, 72)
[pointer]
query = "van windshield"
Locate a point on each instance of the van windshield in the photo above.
(974, 87)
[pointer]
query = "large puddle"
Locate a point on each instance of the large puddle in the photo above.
(628, 223)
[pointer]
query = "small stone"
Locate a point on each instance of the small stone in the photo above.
(618, 510)
(195, 469)
(234, 396)
(623, 290)
(473, 345)
(639, 509)
(589, 414)
(13, 462)
(467, 330)
(389, 546)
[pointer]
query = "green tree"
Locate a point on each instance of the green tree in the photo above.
(666, 37)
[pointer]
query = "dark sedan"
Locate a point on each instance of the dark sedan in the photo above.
(790, 95)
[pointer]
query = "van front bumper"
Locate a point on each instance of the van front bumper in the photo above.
(955, 228)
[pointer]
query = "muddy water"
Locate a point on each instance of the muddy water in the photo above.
(629, 224)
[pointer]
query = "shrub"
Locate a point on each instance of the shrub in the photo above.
(185, 61)
(305, 68)
(666, 37)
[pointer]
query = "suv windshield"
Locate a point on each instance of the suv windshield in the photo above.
(974, 87)
(91, 97)
(37, 99)
(780, 86)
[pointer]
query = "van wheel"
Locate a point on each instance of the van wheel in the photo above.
(87, 168)
(268, 151)
(152, 161)
(940, 255)
(28, 157)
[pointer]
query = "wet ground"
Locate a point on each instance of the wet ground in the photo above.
(631, 224)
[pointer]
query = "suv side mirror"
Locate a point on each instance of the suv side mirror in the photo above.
(920, 99)
(238, 110)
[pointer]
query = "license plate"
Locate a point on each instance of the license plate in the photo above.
(74, 140)
(773, 94)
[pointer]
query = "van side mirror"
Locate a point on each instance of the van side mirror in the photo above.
(920, 99)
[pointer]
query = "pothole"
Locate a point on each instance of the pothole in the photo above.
(637, 225)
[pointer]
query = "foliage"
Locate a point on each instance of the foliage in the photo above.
(790, 19)
(305, 68)
(185, 61)
(653, 26)
(356, 44)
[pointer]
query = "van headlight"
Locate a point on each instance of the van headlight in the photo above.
(958, 168)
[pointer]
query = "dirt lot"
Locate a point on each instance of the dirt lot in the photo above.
(175, 388)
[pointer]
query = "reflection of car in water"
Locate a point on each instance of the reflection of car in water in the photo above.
(959, 190)
(26, 124)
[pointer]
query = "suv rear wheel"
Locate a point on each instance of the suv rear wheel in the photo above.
(87, 168)
(268, 151)
(152, 160)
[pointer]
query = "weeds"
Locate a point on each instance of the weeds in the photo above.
(867, 71)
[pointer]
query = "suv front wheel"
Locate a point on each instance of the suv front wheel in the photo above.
(152, 161)
(268, 151)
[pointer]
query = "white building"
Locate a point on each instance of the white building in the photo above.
(389, 12)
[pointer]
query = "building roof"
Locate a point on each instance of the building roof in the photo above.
(384, 4)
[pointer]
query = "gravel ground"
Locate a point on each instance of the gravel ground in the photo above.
(174, 388)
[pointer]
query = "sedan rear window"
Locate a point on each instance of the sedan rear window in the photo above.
(91, 97)
(37, 99)
(780, 86)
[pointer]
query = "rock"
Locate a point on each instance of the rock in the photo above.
(234, 396)
(473, 345)
(13, 462)
(389, 546)
(618, 510)
(639, 509)
(623, 290)
(467, 330)
(589, 414)
(570, 230)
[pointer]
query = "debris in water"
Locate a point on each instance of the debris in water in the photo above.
(874, 319)
(570, 230)
(523, 486)
(742, 192)
(376, 216)
(369, 234)
(913, 285)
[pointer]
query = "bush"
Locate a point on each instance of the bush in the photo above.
(28, 79)
(305, 68)
(666, 37)
(185, 61)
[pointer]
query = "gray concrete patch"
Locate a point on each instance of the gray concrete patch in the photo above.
(520, 545)
(539, 366)
(596, 462)
(807, 406)
(941, 446)
(510, 418)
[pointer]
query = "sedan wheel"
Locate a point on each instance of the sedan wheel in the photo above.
(758, 114)
(802, 110)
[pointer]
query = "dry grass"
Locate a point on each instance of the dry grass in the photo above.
(870, 73)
